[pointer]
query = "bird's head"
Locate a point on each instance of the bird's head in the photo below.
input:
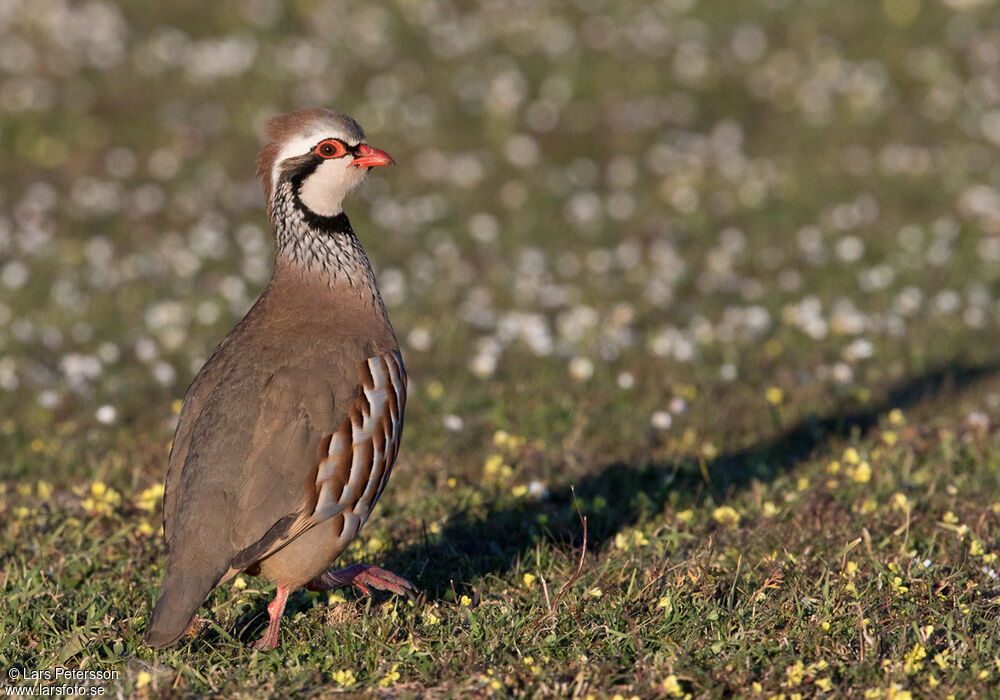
(321, 154)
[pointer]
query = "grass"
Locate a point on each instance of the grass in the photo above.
(698, 302)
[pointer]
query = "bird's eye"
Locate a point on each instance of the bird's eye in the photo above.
(331, 148)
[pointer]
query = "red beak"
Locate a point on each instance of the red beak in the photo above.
(371, 157)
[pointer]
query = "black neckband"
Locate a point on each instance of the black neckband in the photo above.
(338, 223)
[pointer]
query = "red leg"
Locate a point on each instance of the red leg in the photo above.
(364, 577)
(275, 611)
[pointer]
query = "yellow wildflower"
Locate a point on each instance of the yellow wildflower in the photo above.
(344, 678)
(913, 660)
(143, 679)
(896, 692)
(795, 674)
(862, 473)
(435, 389)
(774, 395)
(492, 464)
(529, 580)
(44, 490)
(726, 515)
(672, 687)
(851, 456)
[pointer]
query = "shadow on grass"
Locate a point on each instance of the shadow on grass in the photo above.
(472, 546)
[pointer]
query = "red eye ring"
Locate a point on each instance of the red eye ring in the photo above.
(331, 148)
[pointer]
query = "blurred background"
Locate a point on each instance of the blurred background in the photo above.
(622, 201)
(662, 251)
(621, 222)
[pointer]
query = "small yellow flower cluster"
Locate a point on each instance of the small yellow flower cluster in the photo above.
(529, 661)
(798, 673)
(44, 490)
(430, 618)
(637, 539)
(774, 396)
(391, 677)
(150, 498)
(861, 473)
(893, 692)
(496, 467)
(375, 544)
(143, 679)
(850, 571)
(102, 499)
(726, 515)
(344, 678)
(506, 441)
(794, 674)
(529, 580)
(913, 661)
(672, 687)
(435, 389)
(465, 601)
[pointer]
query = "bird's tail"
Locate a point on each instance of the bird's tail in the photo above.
(180, 598)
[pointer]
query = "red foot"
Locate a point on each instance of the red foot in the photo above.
(364, 577)
(274, 610)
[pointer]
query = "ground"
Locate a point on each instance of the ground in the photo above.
(700, 303)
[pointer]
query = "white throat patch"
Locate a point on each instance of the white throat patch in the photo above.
(324, 189)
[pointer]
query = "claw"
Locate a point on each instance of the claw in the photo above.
(364, 577)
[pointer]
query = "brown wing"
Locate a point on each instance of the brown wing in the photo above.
(360, 455)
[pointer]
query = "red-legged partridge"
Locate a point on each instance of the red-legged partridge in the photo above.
(288, 434)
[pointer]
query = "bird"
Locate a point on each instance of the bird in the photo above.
(288, 433)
